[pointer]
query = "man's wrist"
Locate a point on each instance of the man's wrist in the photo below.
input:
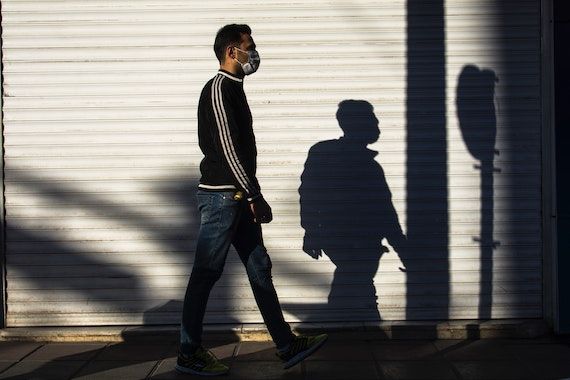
(255, 198)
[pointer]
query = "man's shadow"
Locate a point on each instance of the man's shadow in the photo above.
(346, 211)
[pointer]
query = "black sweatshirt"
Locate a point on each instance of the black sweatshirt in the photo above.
(226, 138)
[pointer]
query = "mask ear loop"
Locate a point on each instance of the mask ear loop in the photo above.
(235, 57)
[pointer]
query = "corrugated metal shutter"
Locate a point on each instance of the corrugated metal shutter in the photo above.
(101, 158)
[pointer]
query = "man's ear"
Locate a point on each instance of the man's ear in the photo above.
(230, 52)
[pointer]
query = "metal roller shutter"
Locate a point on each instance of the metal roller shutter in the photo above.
(101, 158)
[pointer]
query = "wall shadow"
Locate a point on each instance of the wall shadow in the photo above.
(562, 160)
(348, 226)
(427, 210)
(478, 123)
(97, 286)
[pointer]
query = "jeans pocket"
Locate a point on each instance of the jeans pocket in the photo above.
(219, 208)
(204, 200)
(209, 207)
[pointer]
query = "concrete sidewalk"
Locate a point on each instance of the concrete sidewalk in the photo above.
(347, 355)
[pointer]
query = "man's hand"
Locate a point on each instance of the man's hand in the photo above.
(310, 248)
(315, 253)
(261, 211)
(401, 248)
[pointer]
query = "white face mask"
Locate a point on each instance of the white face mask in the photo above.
(252, 63)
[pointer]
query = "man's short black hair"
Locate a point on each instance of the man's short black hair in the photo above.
(229, 35)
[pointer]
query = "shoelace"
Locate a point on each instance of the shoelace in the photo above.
(208, 356)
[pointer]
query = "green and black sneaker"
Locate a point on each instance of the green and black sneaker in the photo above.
(202, 362)
(301, 348)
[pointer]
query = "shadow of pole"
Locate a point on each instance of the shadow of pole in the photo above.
(478, 124)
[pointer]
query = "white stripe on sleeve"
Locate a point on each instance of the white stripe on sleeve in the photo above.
(225, 136)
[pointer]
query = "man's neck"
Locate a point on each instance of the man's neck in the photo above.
(232, 69)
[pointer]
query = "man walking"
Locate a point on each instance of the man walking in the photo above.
(232, 207)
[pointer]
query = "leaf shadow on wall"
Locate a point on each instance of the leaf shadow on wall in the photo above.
(346, 211)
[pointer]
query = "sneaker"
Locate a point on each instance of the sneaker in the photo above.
(301, 347)
(202, 362)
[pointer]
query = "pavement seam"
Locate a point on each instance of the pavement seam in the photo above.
(154, 369)
(87, 362)
(454, 369)
(379, 372)
(22, 359)
(459, 345)
(441, 354)
(236, 351)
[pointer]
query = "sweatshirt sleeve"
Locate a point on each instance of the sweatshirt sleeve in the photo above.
(227, 141)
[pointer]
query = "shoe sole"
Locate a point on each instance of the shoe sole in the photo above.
(193, 372)
(304, 355)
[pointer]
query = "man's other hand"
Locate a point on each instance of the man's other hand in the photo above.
(315, 253)
(261, 211)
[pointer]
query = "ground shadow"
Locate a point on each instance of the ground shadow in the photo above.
(478, 123)
(145, 348)
(346, 211)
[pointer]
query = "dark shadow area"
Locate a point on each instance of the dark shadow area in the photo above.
(519, 123)
(427, 254)
(562, 125)
(368, 358)
(478, 123)
(348, 226)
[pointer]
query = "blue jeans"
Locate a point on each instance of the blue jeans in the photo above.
(225, 221)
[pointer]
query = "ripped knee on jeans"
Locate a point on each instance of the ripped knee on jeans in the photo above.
(259, 265)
